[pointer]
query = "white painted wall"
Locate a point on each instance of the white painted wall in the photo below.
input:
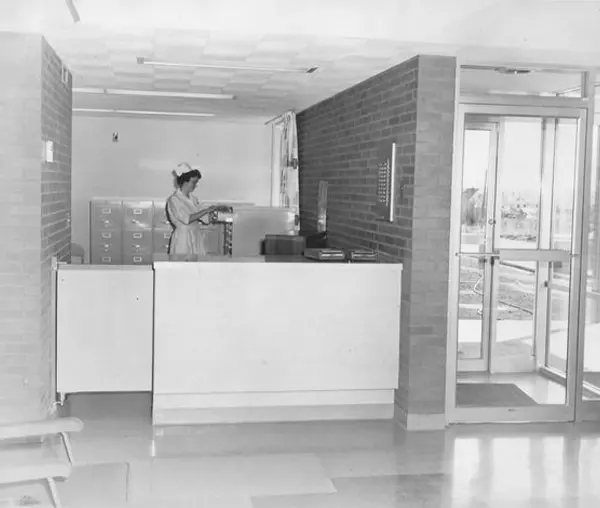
(235, 160)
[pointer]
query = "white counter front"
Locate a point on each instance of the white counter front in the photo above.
(104, 329)
(243, 341)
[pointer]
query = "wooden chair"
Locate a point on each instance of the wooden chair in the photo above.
(45, 471)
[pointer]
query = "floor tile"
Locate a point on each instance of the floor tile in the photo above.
(186, 478)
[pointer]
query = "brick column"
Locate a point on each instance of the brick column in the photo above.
(28, 91)
(422, 380)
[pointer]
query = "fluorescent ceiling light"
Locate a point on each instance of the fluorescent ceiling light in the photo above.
(73, 11)
(139, 112)
(143, 61)
(152, 93)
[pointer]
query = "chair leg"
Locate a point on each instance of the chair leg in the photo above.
(67, 442)
(53, 493)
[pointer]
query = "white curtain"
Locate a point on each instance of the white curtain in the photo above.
(287, 167)
(285, 179)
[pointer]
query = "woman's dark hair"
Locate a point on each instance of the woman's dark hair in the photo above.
(186, 177)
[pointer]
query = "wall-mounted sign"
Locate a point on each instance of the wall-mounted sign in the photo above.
(386, 179)
(47, 151)
(322, 207)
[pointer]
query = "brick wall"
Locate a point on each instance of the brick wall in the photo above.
(55, 197)
(413, 105)
(339, 142)
(26, 348)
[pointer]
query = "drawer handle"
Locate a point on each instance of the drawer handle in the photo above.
(106, 211)
(106, 235)
(137, 259)
(138, 235)
(138, 211)
(106, 259)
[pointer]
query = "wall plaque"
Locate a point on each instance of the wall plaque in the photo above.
(386, 180)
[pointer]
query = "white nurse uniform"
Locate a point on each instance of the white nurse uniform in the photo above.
(187, 238)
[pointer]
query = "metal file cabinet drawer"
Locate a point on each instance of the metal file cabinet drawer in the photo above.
(161, 239)
(100, 237)
(138, 214)
(106, 214)
(101, 258)
(137, 242)
(106, 248)
(137, 259)
(160, 218)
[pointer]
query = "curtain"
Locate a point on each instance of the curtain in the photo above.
(289, 185)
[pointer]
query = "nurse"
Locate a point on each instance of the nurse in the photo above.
(185, 213)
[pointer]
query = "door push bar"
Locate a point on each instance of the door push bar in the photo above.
(531, 255)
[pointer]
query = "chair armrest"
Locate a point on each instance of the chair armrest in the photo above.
(34, 472)
(40, 428)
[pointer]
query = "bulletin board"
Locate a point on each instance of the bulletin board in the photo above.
(386, 180)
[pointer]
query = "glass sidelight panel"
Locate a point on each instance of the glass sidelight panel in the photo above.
(591, 350)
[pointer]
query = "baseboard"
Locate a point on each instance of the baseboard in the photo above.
(271, 414)
(419, 422)
(197, 409)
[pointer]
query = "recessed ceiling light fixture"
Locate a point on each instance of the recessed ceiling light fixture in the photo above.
(143, 61)
(73, 11)
(139, 112)
(152, 93)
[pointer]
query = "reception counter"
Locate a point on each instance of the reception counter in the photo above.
(274, 339)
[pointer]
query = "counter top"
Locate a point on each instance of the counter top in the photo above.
(166, 258)
(105, 268)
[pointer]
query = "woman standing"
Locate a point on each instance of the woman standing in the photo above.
(186, 213)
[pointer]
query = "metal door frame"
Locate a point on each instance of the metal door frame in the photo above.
(481, 364)
(566, 412)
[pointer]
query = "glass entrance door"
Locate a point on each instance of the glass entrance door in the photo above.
(514, 317)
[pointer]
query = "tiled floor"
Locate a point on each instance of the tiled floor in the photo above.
(123, 463)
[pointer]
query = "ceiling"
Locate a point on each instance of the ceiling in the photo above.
(348, 40)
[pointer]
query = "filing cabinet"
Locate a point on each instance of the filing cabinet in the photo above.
(106, 214)
(161, 219)
(138, 214)
(106, 258)
(137, 259)
(106, 246)
(129, 231)
(161, 239)
(137, 241)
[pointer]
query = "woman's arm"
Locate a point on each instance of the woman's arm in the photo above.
(201, 213)
(198, 215)
(178, 211)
